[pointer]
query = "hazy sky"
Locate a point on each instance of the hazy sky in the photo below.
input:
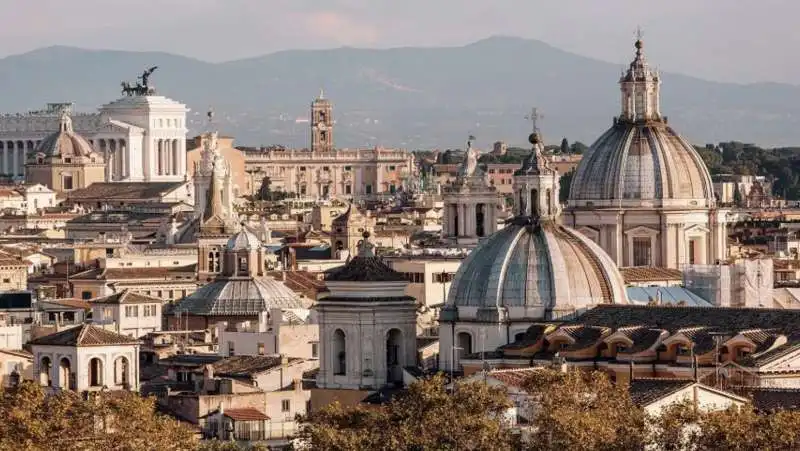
(730, 40)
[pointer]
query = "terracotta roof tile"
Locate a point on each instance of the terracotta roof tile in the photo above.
(246, 365)
(364, 269)
(649, 274)
(127, 297)
(84, 335)
(245, 414)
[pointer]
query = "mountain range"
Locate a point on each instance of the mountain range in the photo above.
(417, 98)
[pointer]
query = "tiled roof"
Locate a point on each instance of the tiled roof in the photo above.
(246, 365)
(245, 414)
(123, 191)
(643, 338)
(514, 377)
(162, 273)
(674, 318)
(127, 297)
(364, 269)
(649, 274)
(71, 302)
(647, 391)
(583, 336)
(84, 335)
(769, 398)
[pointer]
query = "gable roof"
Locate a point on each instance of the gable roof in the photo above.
(648, 391)
(84, 335)
(246, 365)
(127, 297)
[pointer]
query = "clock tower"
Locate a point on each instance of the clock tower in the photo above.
(321, 124)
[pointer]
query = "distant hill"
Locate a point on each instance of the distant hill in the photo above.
(410, 97)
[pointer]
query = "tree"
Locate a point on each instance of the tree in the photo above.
(564, 146)
(564, 184)
(579, 410)
(737, 196)
(578, 148)
(425, 417)
(33, 421)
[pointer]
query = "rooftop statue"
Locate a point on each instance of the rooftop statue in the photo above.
(142, 86)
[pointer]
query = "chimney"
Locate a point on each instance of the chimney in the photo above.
(209, 383)
(298, 385)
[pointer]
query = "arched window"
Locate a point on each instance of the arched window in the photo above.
(96, 372)
(65, 374)
(243, 265)
(394, 372)
(549, 201)
(535, 202)
(339, 353)
(480, 226)
(45, 367)
(213, 261)
(463, 345)
(121, 371)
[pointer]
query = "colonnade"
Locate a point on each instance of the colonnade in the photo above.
(115, 154)
(167, 157)
(13, 155)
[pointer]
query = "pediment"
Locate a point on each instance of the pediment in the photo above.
(696, 228)
(642, 231)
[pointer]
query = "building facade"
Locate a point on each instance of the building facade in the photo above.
(324, 171)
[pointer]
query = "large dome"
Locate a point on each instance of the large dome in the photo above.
(541, 270)
(640, 161)
(65, 142)
(641, 164)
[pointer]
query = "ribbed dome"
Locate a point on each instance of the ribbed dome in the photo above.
(65, 142)
(243, 240)
(641, 164)
(541, 266)
(239, 297)
(640, 161)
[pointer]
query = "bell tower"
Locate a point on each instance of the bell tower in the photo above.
(321, 124)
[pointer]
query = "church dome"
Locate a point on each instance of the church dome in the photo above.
(65, 142)
(641, 161)
(542, 267)
(243, 240)
(641, 164)
(239, 297)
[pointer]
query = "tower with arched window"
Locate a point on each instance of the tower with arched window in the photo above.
(536, 185)
(367, 324)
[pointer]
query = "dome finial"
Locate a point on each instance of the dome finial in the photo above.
(365, 248)
(639, 35)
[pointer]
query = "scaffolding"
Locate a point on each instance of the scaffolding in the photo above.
(743, 283)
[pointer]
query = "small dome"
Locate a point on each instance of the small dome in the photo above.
(243, 240)
(545, 268)
(634, 164)
(240, 297)
(65, 142)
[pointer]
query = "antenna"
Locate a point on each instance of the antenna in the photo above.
(534, 117)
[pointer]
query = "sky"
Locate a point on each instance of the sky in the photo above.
(725, 40)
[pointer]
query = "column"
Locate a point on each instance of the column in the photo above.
(15, 169)
(160, 157)
(176, 165)
(123, 159)
(461, 220)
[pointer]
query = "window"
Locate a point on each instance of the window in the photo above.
(261, 349)
(392, 168)
(368, 189)
(620, 347)
(107, 313)
(243, 264)
(302, 169)
(286, 405)
(326, 168)
(314, 350)
(67, 160)
(149, 310)
(86, 295)
(684, 350)
(641, 251)
(323, 135)
(131, 311)
(443, 277)
(348, 168)
(66, 182)
(392, 188)
(6, 280)
(348, 189)
(231, 349)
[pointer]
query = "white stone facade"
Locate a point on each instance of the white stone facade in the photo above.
(142, 138)
(87, 368)
(362, 326)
